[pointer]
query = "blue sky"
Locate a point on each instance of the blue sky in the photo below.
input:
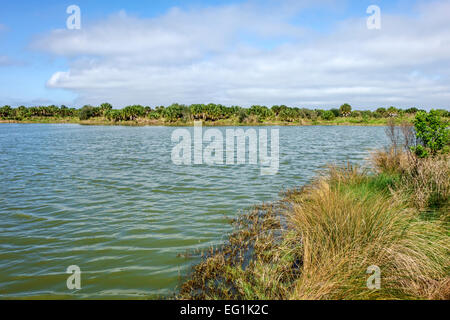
(300, 53)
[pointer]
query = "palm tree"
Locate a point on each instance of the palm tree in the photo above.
(345, 110)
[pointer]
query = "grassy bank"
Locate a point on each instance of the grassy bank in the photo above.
(318, 241)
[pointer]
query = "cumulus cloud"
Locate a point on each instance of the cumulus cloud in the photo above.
(249, 54)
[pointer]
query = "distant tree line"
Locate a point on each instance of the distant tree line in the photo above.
(206, 112)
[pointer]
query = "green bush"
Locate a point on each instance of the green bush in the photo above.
(381, 112)
(431, 132)
(367, 113)
(319, 112)
(335, 112)
(420, 151)
(6, 112)
(355, 114)
(328, 115)
(365, 117)
(86, 113)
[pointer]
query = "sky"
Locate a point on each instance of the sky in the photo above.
(301, 53)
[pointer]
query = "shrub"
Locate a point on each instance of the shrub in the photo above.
(335, 112)
(365, 117)
(319, 112)
(328, 115)
(355, 114)
(382, 112)
(7, 112)
(421, 152)
(431, 132)
(86, 113)
(367, 113)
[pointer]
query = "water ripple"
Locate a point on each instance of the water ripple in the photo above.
(109, 200)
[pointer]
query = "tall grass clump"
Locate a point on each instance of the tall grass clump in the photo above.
(427, 181)
(344, 231)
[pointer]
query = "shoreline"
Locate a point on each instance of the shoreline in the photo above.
(357, 220)
(220, 123)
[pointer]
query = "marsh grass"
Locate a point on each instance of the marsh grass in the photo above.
(344, 230)
(425, 181)
(318, 241)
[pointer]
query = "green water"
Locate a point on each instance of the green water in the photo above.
(110, 200)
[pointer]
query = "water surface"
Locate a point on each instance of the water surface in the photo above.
(110, 200)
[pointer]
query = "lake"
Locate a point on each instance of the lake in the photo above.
(110, 200)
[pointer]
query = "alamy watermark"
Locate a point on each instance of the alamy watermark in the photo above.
(219, 151)
(374, 281)
(73, 22)
(74, 280)
(374, 21)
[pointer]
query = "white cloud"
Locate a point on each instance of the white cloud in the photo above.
(217, 55)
